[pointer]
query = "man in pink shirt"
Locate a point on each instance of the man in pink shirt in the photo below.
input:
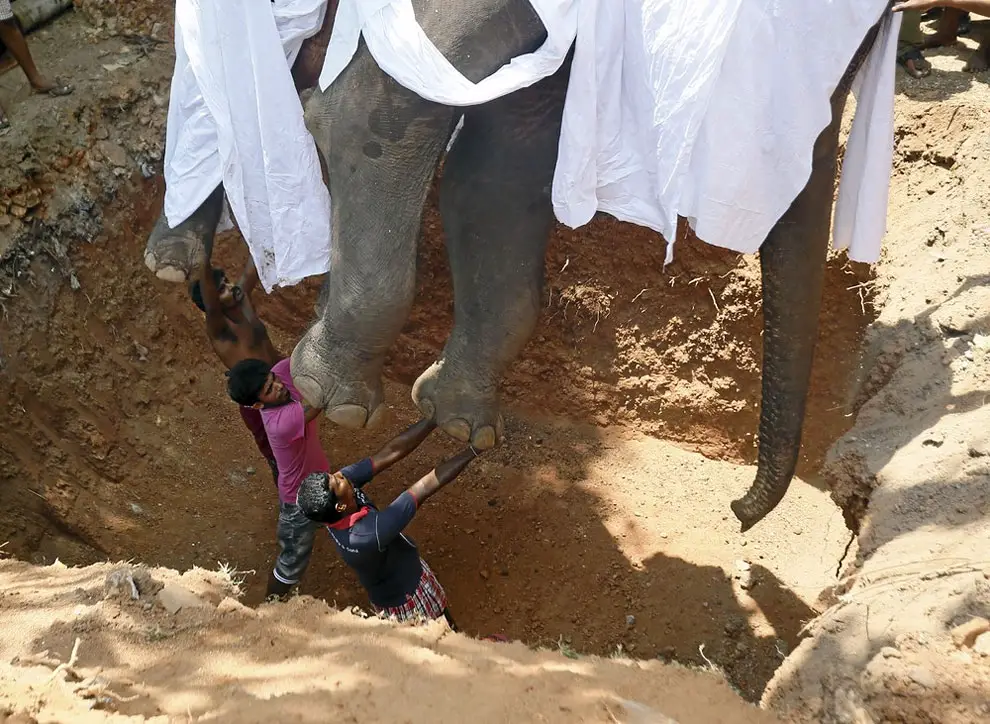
(293, 433)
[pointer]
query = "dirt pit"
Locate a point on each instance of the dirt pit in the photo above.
(122, 444)
(600, 527)
(579, 532)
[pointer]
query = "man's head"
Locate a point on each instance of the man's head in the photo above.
(230, 295)
(252, 383)
(326, 498)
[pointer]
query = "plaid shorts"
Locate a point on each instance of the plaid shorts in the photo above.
(295, 535)
(5, 12)
(428, 601)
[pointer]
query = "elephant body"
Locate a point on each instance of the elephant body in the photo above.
(381, 145)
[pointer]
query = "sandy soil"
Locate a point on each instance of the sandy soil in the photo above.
(120, 443)
(215, 659)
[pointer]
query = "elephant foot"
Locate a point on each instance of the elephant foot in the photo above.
(178, 255)
(335, 382)
(464, 407)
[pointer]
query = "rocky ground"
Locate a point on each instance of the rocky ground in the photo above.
(119, 443)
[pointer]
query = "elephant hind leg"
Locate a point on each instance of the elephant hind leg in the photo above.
(497, 216)
(178, 255)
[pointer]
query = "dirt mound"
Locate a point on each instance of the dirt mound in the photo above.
(108, 643)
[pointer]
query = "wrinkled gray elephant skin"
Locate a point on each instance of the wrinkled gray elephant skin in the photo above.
(381, 144)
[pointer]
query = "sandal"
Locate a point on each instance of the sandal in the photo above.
(57, 90)
(4, 125)
(914, 63)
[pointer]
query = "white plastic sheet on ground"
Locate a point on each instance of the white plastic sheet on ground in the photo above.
(706, 109)
(234, 116)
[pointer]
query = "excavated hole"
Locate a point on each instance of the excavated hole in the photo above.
(588, 530)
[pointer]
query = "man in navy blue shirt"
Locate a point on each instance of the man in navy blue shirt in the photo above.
(399, 583)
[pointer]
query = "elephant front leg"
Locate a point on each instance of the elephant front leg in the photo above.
(497, 215)
(178, 255)
(380, 143)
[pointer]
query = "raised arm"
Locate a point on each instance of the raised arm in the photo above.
(442, 474)
(309, 411)
(393, 520)
(401, 445)
(249, 277)
(216, 322)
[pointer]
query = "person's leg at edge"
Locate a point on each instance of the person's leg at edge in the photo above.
(910, 41)
(13, 38)
(946, 29)
(295, 534)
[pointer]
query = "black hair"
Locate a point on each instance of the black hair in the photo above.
(196, 292)
(317, 500)
(246, 380)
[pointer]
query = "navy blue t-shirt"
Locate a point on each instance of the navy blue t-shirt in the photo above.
(372, 542)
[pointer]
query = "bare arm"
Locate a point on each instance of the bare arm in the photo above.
(249, 277)
(980, 7)
(309, 411)
(442, 474)
(216, 322)
(402, 444)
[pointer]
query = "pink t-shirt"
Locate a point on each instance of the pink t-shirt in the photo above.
(295, 443)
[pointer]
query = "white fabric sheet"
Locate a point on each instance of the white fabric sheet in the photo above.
(706, 109)
(234, 116)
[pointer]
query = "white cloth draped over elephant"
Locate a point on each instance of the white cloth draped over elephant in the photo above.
(706, 109)
(235, 117)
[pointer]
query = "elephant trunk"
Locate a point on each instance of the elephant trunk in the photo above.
(792, 260)
(793, 276)
(793, 264)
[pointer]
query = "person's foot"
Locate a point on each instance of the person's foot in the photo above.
(977, 62)
(4, 123)
(914, 63)
(52, 88)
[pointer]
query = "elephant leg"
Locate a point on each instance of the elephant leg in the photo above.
(381, 143)
(178, 255)
(793, 267)
(497, 215)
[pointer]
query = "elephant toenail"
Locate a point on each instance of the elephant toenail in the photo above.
(484, 438)
(171, 274)
(349, 416)
(310, 389)
(378, 417)
(458, 429)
